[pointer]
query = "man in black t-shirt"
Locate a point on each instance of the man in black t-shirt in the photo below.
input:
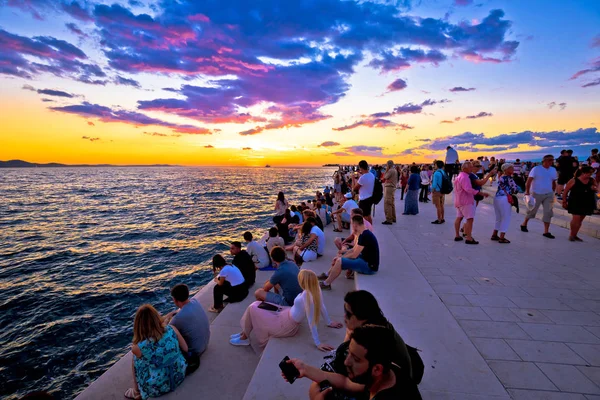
(370, 370)
(363, 258)
(244, 262)
(565, 170)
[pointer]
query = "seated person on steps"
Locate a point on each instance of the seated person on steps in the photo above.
(284, 281)
(363, 258)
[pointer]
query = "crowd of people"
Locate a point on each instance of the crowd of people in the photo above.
(373, 361)
(167, 348)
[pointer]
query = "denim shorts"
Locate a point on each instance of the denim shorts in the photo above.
(357, 264)
(276, 298)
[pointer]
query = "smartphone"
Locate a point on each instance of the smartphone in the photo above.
(289, 370)
(324, 385)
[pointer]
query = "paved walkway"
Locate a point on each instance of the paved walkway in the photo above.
(531, 308)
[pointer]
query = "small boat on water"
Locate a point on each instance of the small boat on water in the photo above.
(267, 166)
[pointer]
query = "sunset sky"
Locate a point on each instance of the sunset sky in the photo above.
(238, 82)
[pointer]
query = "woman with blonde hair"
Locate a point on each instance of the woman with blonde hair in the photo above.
(264, 324)
(158, 363)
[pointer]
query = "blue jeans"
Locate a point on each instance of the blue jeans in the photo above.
(276, 298)
(357, 264)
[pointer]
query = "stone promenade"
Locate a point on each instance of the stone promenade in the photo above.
(531, 308)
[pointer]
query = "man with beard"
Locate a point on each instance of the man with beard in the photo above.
(370, 372)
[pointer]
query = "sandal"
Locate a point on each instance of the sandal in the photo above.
(495, 238)
(131, 393)
(216, 310)
(458, 239)
(471, 241)
(322, 277)
(503, 240)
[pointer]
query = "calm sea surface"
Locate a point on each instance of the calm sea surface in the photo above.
(82, 248)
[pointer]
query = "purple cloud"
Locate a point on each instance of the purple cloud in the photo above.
(480, 115)
(375, 123)
(463, 3)
(20, 57)
(592, 83)
(470, 141)
(49, 92)
(106, 114)
(297, 63)
(76, 30)
(562, 106)
(398, 84)
(119, 80)
(596, 41)
(405, 57)
(156, 134)
(461, 89)
(341, 154)
(329, 144)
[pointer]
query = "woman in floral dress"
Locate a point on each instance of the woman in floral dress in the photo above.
(158, 364)
(502, 205)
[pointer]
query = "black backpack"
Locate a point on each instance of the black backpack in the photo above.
(377, 191)
(416, 363)
(447, 187)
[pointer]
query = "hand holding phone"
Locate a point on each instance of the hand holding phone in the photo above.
(289, 370)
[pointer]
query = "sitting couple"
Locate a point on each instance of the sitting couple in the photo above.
(298, 294)
(232, 280)
(310, 242)
(372, 363)
(166, 349)
(362, 258)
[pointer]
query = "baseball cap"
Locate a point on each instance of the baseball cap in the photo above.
(348, 195)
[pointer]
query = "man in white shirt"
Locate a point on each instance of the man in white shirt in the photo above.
(364, 186)
(451, 160)
(542, 185)
(257, 252)
(343, 213)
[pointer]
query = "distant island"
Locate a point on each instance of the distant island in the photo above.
(25, 164)
(331, 165)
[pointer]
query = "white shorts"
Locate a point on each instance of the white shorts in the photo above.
(308, 255)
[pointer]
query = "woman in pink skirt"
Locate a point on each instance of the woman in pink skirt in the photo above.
(265, 324)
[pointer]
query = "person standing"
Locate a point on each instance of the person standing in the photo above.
(579, 199)
(565, 171)
(464, 202)
(542, 185)
(389, 188)
(423, 196)
(437, 197)
(403, 183)
(364, 186)
(411, 204)
(503, 203)
(451, 158)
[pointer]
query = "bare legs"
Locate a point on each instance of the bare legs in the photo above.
(576, 222)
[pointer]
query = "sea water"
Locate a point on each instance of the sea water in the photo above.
(82, 248)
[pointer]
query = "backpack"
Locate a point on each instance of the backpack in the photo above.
(416, 363)
(377, 191)
(447, 187)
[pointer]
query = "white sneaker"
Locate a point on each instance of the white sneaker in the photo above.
(240, 342)
(235, 336)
